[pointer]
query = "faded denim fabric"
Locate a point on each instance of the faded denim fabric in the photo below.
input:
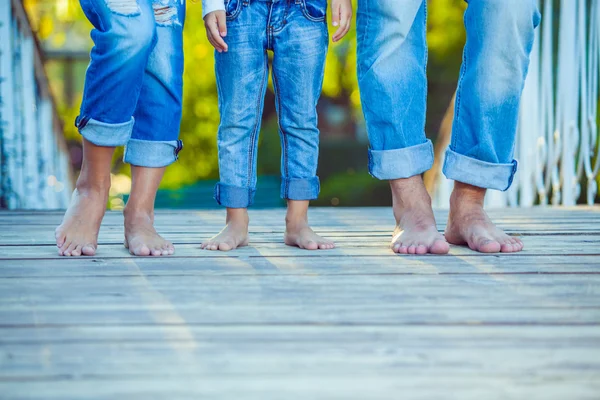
(392, 59)
(133, 86)
(296, 32)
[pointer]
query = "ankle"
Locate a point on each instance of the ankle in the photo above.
(132, 212)
(85, 185)
(294, 222)
(237, 216)
(466, 196)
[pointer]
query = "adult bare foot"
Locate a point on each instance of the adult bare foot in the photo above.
(468, 224)
(297, 231)
(141, 238)
(416, 231)
(235, 233)
(77, 235)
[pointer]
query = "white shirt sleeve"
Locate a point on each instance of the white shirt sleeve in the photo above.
(209, 6)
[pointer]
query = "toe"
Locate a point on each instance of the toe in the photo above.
(88, 250)
(64, 247)
(311, 245)
(157, 251)
(412, 249)
(70, 249)
(224, 246)
(439, 247)
(421, 249)
(396, 247)
(142, 250)
(60, 238)
(77, 251)
(403, 250)
(488, 246)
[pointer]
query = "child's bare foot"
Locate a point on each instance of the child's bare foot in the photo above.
(235, 233)
(141, 238)
(468, 224)
(77, 235)
(297, 231)
(301, 235)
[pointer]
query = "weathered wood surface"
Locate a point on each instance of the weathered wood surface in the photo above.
(269, 321)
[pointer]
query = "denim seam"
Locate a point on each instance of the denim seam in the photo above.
(365, 33)
(283, 134)
(282, 25)
(459, 89)
(236, 12)
(308, 16)
(98, 15)
(257, 123)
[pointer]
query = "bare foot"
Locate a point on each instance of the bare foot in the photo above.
(416, 231)
(78, 233)
(141, 238)
(301, 235)
(235, 233)
(468, 224)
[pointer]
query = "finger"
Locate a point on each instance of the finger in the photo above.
(344, 27)
(219, 30)
(212, 42)
(335, 14)
(222, 23)
(218, 41)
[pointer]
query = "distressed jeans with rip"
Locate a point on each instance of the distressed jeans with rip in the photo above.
(133, 85)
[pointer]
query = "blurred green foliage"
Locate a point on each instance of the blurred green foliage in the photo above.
(61, 25)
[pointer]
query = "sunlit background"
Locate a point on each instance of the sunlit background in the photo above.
(63, 32)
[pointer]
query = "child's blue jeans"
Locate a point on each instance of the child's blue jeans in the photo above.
(296, 32)
(392, 58)
(133, 85)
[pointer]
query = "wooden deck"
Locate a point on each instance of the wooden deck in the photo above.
(272, 322)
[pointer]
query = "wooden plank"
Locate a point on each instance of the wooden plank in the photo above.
(273, 299)
(534, 245)
(315, 265)
(361, 384)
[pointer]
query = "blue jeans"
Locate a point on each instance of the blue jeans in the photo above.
(392, 58)
(296, 32)
(133, 85)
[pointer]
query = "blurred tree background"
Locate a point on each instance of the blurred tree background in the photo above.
(64, 31)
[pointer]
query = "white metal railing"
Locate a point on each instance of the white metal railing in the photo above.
(557, 140)
(34, 161)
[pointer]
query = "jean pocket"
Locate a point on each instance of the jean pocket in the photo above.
(314, 10)
(233, 9)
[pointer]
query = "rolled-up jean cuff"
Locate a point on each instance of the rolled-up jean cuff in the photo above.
(234, 196)
(150, 153)
(105, 134)
(300, 189)
(401, 163)
(479, 173)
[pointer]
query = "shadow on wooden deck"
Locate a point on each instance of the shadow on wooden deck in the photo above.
(270, 321)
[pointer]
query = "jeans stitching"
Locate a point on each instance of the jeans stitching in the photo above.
(308, 16)
(284, 149)
(463, 70)
(257, 124)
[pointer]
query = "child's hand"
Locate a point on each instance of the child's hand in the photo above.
(341, 16)
(216, 29)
